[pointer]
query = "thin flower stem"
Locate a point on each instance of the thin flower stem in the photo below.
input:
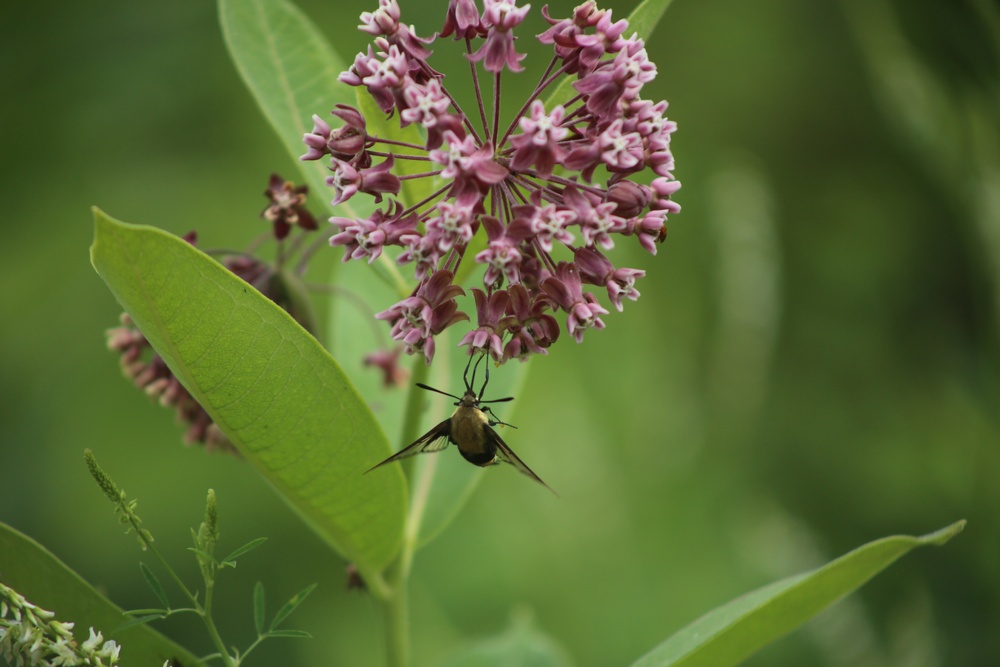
(496, 106)
(400, 156)
(428, 198)
(289, 251)
(321, 241)
(478, 89)
(204, 611)
(577, 111)
(257, 242)
(213, 632)
(565, 181)
(394, 142)
(542, 85)
(425, 174)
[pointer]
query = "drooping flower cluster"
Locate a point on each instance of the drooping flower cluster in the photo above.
(147, 369)
(553, 189)
(30, 635)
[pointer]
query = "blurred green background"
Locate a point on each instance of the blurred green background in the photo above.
(813, 363)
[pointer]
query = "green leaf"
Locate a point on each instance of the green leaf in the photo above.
(249, 546)
(44, 580)
(258, 608)
(731, 633)
(152, 613)
(138, 620)
(290, 606)
(290, 633)
(274, 391)
(522, 644)
(643, 19)
(290, 69)
(154, 584)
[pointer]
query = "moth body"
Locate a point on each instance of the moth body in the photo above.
(470, 428)
(468, 431)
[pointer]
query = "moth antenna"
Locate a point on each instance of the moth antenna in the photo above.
(498, 400)
(424, 386)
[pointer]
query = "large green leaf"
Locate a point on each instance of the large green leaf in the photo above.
(290, 69)
(731, 633)
(643, 19)
(266, 382)
(44, 580)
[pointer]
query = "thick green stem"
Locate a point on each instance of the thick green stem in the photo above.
(396, 602)
(397, 618)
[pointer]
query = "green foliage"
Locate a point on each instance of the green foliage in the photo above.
(34, 572)
(289, 68)
(731, 633)
(901, 413)
(267, 383)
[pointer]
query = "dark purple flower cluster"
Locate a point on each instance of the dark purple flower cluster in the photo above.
(532, 186)
(147, 369)
(287, 207)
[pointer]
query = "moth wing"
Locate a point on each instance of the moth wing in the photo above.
(434, 440)
(505, 454)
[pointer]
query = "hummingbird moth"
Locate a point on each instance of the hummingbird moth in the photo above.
(470, 428)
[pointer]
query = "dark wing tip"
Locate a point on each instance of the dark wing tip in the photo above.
(505, 454)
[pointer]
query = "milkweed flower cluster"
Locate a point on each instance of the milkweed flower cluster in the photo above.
(30, 635)
(553, 190)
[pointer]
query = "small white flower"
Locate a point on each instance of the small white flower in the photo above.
(91, 643)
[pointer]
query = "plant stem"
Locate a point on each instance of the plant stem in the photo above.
(396, 604)
(397, 618)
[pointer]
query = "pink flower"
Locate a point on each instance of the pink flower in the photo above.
(287, 208)
(487, 337)
(430, 310)
(500, 17)
(566, 290)
(567, 180)
(539, 146)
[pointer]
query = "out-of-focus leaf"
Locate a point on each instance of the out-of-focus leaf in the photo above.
(44, 580)
(290, 69)
(291, 605)
(275, 392)
(258, 607)
(155, 584)
(522, 645)
(249, 546)
(731, 633)
(642, 21)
